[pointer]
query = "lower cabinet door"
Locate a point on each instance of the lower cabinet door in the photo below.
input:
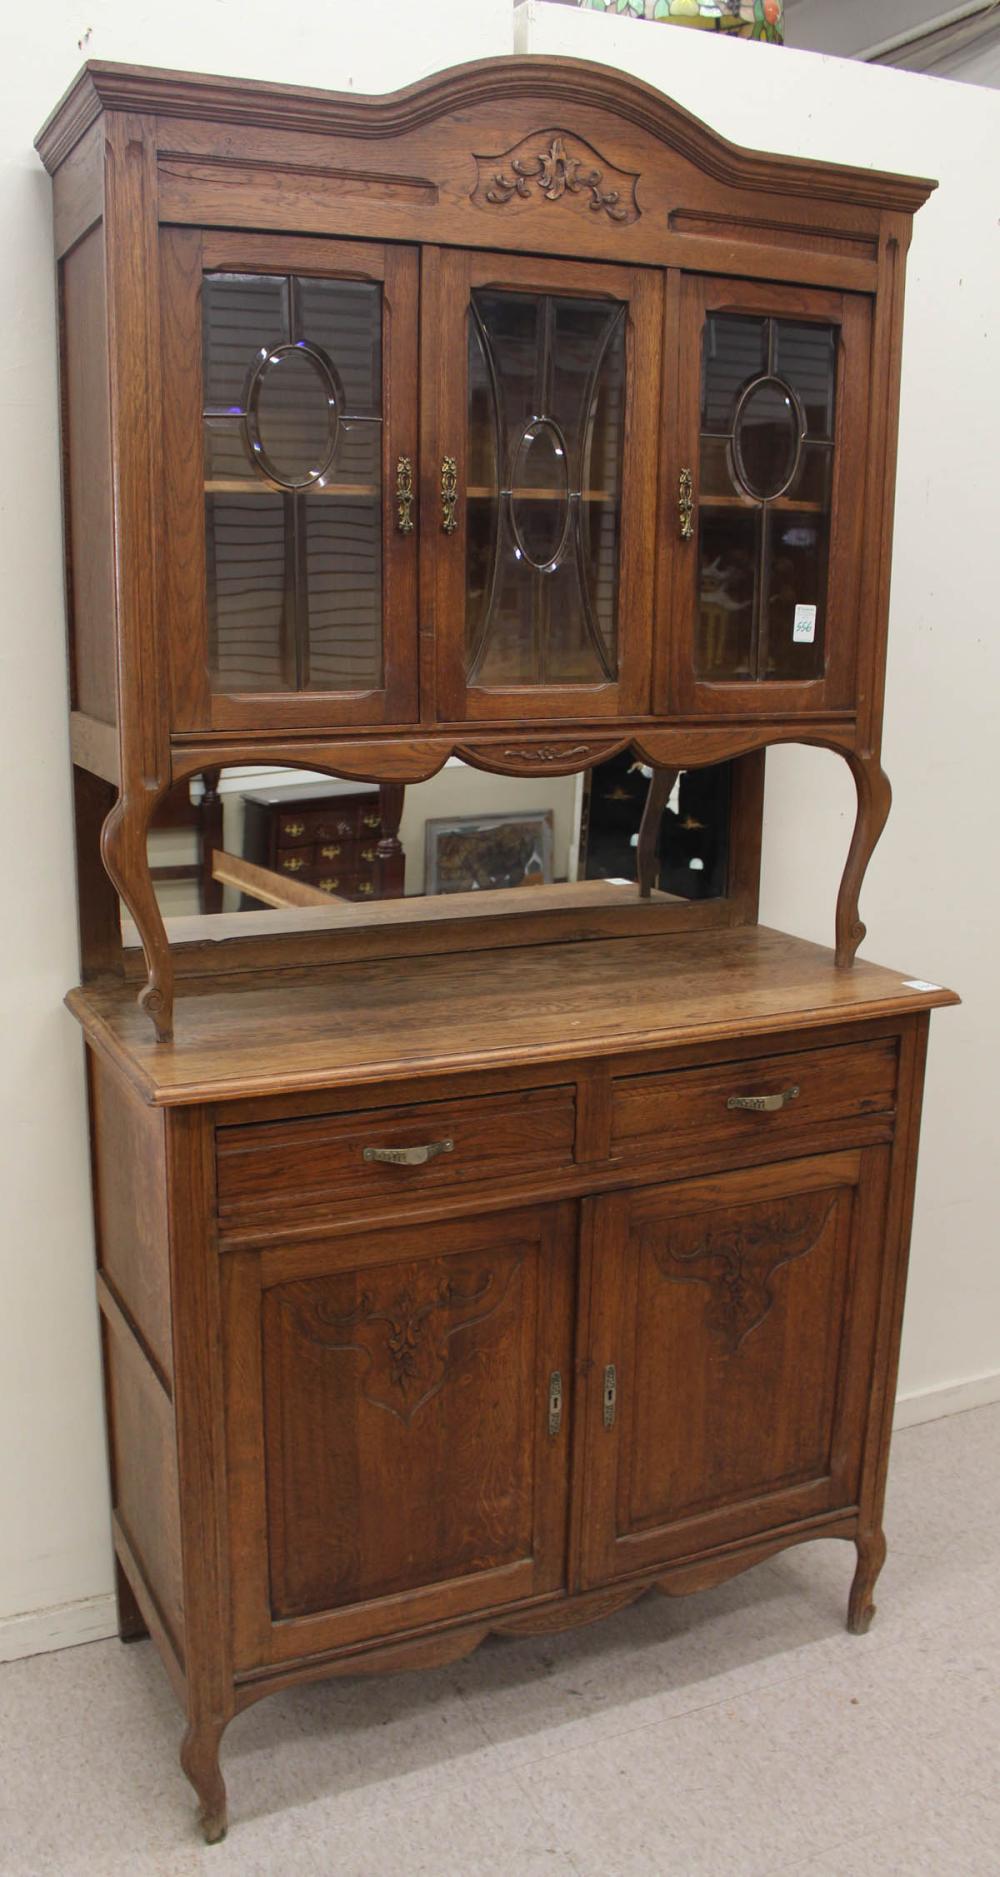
(733, 1325)
(397, 1428)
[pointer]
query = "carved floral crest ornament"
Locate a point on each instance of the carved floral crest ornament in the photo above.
(558, 167)
(739, 1256)
(403, 1335)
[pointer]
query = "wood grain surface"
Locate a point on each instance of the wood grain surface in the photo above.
(432, 1015)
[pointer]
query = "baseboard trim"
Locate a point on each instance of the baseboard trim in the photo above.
(61, 1626)
(929, 1404)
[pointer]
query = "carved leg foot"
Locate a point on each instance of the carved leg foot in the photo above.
(200, 1760)
(123, 849)
(874, 799)
(131, 1622)
(871, 1557)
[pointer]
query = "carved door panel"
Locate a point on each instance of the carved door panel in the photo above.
(398, 1409)
(539, 495)
(766, 498)
(290, 571)
(732, 1344)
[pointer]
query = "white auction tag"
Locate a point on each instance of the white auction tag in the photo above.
(920, 984)
(804, 625)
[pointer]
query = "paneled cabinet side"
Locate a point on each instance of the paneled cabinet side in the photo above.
(132, 1225)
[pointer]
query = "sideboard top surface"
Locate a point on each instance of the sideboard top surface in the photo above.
(445, 1014)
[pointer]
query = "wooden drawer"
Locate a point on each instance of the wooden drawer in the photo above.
(688, 1109)
(317, 1164)
(355, 821)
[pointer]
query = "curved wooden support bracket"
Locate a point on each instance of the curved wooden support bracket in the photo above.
(874, 800)
(124, 852)
(660, 784)
(380, 759)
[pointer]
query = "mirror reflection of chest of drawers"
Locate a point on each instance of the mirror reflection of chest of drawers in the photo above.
(323, 834)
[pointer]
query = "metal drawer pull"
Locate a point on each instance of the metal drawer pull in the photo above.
(763, 1104)
(555, 1402)
(610, 1394)
(408, 1156)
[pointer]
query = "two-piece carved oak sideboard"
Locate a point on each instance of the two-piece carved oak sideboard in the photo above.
(477, 1267)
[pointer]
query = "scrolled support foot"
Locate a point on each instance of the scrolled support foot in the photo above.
(123, 850)
(861, 1607)
(874, 800)
(200, 1761)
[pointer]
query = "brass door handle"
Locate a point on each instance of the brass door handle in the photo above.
(449, 494)
(329, 853)
(408, 1156)
(764, 1104)
(294, 828)
(685, 503)
(404, 495)
(328, 886)
(292, 866)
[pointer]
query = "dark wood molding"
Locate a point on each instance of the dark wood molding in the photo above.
(103, 86)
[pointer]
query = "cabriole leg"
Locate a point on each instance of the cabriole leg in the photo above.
(871, 1557)
(200, 1760)
(874, 798)
(123, 850)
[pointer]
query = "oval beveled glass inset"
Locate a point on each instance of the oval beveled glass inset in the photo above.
(767, 437)
(539, 496)
(293, 415)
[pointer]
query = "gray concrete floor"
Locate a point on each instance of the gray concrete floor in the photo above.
(739, 1733)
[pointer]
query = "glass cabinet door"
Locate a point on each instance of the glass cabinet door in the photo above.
(541, 530)
(769, 497)
(301, 575)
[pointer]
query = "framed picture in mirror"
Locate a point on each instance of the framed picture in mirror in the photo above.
(478, 853)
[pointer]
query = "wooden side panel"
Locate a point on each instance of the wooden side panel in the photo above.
(144, 1470)
(130, 1200)
(87, 446)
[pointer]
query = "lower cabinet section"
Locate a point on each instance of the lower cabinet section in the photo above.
(400, 1404)
(733, 1324)
(398, 1418)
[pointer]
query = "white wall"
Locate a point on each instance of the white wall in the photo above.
(933, 891)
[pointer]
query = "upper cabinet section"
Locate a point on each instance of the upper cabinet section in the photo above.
(541, 537)
(518, 397)
(289, 575)
(772, 418)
